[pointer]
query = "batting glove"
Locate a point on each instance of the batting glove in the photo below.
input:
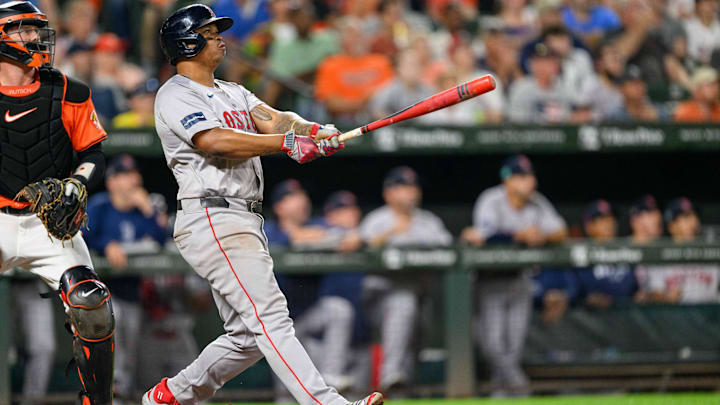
(328, 131)
(303, 149)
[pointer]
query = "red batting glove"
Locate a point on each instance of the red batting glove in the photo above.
(330, 145)
(301, 149)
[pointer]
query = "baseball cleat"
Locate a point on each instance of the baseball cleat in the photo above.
(160, 394)
(375, 398)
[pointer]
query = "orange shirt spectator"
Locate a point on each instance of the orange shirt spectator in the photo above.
(352, 78)
(704, 105)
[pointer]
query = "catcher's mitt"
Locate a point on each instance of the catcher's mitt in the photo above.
(60, 205)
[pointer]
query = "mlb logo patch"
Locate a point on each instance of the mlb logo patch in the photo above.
(192, 119)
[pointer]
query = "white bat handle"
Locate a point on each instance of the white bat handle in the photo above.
(350, 134)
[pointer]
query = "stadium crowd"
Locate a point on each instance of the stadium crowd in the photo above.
(346, 61)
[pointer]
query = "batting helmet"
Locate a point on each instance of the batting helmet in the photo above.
(28, 19)
(177, 36)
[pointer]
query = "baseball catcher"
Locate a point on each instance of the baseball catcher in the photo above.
(49, 155)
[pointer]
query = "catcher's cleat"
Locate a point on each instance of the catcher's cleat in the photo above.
(160, 394)
(375, 398)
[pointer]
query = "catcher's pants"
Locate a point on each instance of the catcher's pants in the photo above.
(25, 243)
(227, 246)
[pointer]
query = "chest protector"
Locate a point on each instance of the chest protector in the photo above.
(33, 141)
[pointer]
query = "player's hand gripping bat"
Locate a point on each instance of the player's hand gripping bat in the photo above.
(435, 102)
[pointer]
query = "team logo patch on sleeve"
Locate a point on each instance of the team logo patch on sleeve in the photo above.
(94, 119)
(192, 119)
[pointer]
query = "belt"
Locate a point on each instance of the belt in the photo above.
(252, 206)
(16, 211)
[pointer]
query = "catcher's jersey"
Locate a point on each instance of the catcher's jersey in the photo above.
(182, 109)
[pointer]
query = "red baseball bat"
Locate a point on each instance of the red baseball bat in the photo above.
(435, 102)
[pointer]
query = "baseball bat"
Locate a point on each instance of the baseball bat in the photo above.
(435, 102)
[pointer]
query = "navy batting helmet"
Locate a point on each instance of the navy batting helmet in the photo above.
(177, 36)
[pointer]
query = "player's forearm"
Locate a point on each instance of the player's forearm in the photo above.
(271, 121)
(557, 236)
(234, 144)
(91, 167)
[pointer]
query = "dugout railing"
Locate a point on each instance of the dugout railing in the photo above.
(456, 266)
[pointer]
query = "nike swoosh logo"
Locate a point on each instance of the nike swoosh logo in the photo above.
(85, 294)
(11, 118)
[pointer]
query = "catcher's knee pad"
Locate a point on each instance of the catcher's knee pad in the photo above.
(89, 308)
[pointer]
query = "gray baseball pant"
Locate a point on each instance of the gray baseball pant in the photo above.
(228, 248)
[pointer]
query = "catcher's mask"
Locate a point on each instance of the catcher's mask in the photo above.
(24, 34)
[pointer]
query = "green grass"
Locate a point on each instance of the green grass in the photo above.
(622, 399)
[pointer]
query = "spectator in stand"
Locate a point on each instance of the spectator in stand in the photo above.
(603, 92)
(298, 57)
(396, 25)
(345, 82)
(703, 31)
(125, 220)
(79, 27)
(467, 8)
(142, 110)
(498, 60)
(602, 285)
(542, 97)
(577, 67)
(590, 20)
(636, 105)
(78, 62)
(705, 105)
(247, 15)
(461, 114)
(317, 304)
(516, 19)
(683, 282)
(681, 9)
(431, 65)
(653, 41)
(393, 300)
(452, 28)
(512, 212)
(406, 89)
(645, 220)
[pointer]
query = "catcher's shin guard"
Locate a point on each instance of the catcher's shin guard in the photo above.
(87, 304)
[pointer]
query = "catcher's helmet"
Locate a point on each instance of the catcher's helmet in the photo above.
(27, 18)
(177, 36)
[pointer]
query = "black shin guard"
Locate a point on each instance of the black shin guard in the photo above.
(88, 306)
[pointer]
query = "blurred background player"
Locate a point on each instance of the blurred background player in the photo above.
(684, 283)
(603, 284)
(323, 321)
(646, 221)
(512, 212)
(124, 221)
(393, 299)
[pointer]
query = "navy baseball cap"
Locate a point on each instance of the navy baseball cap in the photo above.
(121, 163)
(401, 176)
(597, 209)
(645, 203)
(148, 87)
(340, 199)
(516, 164)
(677, 207)
(284, 189)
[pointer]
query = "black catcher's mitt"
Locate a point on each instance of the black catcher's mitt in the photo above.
(60, 205)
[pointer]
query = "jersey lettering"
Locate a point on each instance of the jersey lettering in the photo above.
(239, 120)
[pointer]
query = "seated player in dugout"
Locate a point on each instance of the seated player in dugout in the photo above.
(50, 144)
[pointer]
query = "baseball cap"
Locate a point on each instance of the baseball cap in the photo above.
(541, 50)
(516, 164)
(596, 209)
(631, 73)
(110, 42)
(677, 207)
(122, 163)
(284, 189)
(401, 176)
(79, 46)
(645, 203)
(340, 199)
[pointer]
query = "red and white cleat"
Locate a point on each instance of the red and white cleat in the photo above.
(375, 398)
(160, 394)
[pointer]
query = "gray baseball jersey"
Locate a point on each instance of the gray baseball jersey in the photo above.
(182, 109)
(227, 247)
(425, 228)
(493, 214)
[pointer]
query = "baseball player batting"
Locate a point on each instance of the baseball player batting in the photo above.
(210, 132)
(47, 118)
